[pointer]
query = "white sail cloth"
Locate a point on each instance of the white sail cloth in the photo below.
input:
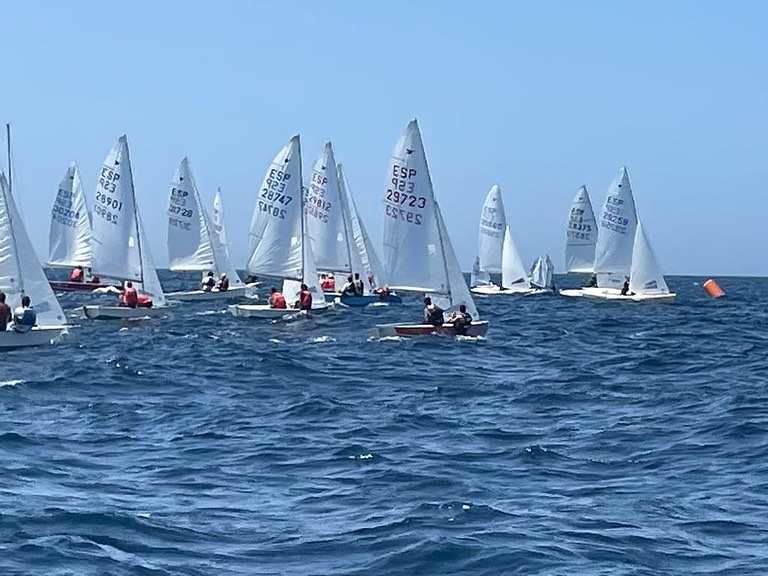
(69, 240)
(581, 234)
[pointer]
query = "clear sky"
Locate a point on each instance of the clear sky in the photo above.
(540, 97)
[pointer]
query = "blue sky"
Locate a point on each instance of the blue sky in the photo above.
(540, 97)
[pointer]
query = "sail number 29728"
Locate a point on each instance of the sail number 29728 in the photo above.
(400, 198)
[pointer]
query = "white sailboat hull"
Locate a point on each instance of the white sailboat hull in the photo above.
(38, 336)
(264, 311)
(492, 290)
(97, 312)
(201, 295)
(615, 294)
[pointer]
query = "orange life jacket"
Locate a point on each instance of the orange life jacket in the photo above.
(277, 300)
(305, 300)
(130, 297)
(143, 301)
(76, 275)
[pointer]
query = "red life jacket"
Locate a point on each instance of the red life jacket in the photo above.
(130, 297)
(305, 300)
(143, 301)
(76, 275)
(277, 300)
(328, 284)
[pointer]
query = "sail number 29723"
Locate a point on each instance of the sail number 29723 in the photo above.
(400, 198)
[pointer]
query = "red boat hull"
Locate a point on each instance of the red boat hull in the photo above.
(76, 286)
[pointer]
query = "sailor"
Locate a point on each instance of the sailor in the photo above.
(371, 282)
(592, 281)
(208, 282)
(358, 285)
(276, 299)
(143, 301)
(433, 314)
(305, 298)
(5, 313)
(77, 274)
(24, 317)
(91, 278)
(625, 288)
(129, 296)
(327, 283)
(349, 287)
(223, 284)
(461, 321)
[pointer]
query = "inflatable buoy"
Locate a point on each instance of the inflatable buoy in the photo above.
(711, 288)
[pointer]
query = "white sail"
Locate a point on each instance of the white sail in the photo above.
(115, 241)
(581, 235)
(412, 253)
(618, 221)
(291, 288)
(513, 274)
(645, 274)
(275, 235)
(69, 240)
(190, 243)
(20, 270)
(458, 291)
(542, 272)
(221, 249)
(479, 277)
(358, 237)
(493, 222)
(326, 222)
(120, 249)
(150, 283)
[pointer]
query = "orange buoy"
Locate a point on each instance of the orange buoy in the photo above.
(711, 288)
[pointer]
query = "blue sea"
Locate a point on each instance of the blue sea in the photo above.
(578, 437)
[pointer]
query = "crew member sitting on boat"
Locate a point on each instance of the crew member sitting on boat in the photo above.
(327, 283)
(461, 321)
(358, 285)
(276, 299)
(143, 301)
(91, 278)
(208, 282)
(433, 314)
(349, 287)
(5, 313)
(77, 274)
(129, 297)
(382, 291)
(625, 289)
(305, 299)
(592, 281)
(24, 317)
(371, 282)
(223, 283)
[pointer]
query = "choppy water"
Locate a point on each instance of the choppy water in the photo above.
(577, 438)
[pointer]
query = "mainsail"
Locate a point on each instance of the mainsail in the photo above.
(581, 235)
(645, 274)
(618, 221)
(493, 222)
(69, 240)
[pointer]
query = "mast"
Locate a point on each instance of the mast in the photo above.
(8, 148)
(303, 213)
(135, 216)
(440, 226)
(345, 213)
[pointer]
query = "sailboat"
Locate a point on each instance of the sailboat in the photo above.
(21, 274)
(418, 253)
(69, 240)
(119, 244)
(279, 243)
(623, 252)
(498, 253)
(219, 229)
(581, 234)
(193, 244)
(493, 223)
(542, 273)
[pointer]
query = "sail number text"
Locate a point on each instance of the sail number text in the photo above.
(316, 206)
(107, 206)
(273, 192)
(577, 228)
(400, 196)
(612, 218)
(177, 210)
(62, 209)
